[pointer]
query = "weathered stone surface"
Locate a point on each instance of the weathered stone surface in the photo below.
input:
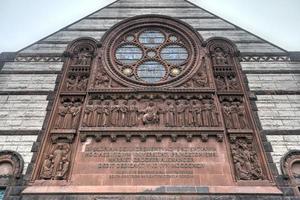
(281, 145)
(32, 66)
(267, 66)
(279, 112)
(287, 82)
(27, 82)
(22, 112)
(131, 12)
(19, 143)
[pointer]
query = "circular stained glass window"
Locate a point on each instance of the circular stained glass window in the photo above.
(129, 54)
(174, 54)
(151, 71)
(150, 53)
(151, 38)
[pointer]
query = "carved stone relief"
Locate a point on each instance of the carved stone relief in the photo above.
(234, 112)
(245, 160)
(200, 79)
(111, 98)
(143, 112)
(56, 163)
(68, 113)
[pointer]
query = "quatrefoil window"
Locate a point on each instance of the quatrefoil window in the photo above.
(151, 55)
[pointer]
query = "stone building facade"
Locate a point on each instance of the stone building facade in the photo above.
(30, 83)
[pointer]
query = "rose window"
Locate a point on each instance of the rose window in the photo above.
(151, 55)
(151, 51)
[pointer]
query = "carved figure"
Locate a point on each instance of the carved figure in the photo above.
(199, 114)
(115, 114)
(193, 111)
(221, 83)
(62, 111)
(82, 83)
(88, 115)
(151, 115)
(83, 58)
(123, 114)
(180, 108)
(101, 80)
(245, 160)
(71, 82)
(133, 115)
(200, 80)
(170, 115)
(56, 164)
(188, 114)
(220, 58)
(106, 115)
(47, 167)
(227, 115)
(75, 111)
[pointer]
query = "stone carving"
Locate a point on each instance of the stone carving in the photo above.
(200, 79)
(77, 82)
(11, 164)
(57, 163)
(134, 113)
(245, 159)
(151, 114)
(220, 57)
(235, 115)
(68, 114)
(227, 82)
(83, 57)
(103, 81)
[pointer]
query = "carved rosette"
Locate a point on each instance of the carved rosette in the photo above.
(245, 159)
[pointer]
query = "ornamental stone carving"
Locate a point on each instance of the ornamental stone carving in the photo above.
(139, 111)
(68, 113)
(234, 112)
(57, 163)
(245, 160)
(152, 82)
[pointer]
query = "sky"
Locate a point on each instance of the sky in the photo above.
(23, 22)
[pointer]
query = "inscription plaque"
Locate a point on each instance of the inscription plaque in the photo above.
(151, 162)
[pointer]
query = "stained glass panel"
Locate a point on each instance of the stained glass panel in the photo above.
(151, 71)
(174, 54)
(129, 54)
(151, 38)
